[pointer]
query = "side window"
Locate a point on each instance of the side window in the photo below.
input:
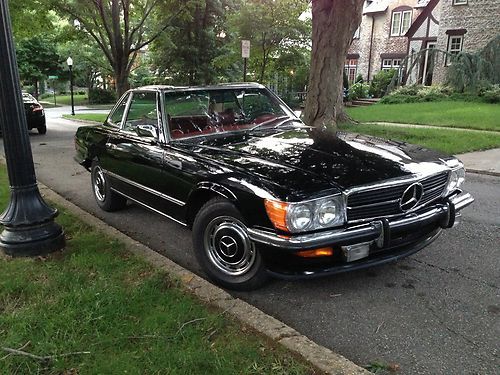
(142, 111)
(115, 118)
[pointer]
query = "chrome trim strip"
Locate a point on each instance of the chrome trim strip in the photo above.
(150, 208)
(145, 188)
(360, 233)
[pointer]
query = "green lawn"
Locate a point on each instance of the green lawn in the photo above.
(460, 114)
(98, 117)
(96, 309)
(449, 141)
(66, 99)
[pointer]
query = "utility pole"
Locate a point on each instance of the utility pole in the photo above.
(29, 226)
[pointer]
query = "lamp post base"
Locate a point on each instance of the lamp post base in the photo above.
(30, 241)
(29, 226)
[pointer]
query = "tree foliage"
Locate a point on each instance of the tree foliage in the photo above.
(188, 50)
(121, 28)
(37, 58)
(272, 27)
(29, 18)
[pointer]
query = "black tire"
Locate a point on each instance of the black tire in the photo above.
(106, 199)
(42, 129)
(223, 249)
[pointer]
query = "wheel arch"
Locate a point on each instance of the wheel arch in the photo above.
(201, 194)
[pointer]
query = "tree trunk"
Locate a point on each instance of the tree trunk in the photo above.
(121, 80)
(334, 23)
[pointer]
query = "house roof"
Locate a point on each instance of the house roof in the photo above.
(377, 6)
(421, 18)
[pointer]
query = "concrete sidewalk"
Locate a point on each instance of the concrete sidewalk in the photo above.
(485, 162)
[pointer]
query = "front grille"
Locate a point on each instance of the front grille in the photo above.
(379, 202)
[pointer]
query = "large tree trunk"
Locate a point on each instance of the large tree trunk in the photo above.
(122, 84)
(334, 23)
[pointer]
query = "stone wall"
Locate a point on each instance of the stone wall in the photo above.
(480, 19)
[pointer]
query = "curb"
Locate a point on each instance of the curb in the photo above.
(402, 125)
(318, 356)
(487, 173)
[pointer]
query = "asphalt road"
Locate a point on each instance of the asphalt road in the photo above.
(436, 312)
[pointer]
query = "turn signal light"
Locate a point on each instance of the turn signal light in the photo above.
(277, 213)
(322, 252)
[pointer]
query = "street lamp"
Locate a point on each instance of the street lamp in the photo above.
(29, 226)
(69, 61)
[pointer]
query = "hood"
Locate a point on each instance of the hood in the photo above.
(303, 161)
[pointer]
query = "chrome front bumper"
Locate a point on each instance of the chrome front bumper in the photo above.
(379, 231)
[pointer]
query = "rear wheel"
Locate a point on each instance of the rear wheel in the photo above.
(223, 248)
(106, 199)
(42, 129)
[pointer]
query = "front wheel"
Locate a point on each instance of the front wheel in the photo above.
(223, 248)
(106, 199)
(42, 129)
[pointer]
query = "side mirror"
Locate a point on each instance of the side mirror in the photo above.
(146, 131)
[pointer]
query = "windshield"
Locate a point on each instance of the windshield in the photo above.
(191, 113)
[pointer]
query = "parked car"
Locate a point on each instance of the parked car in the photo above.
(264, 194)
(35, 114)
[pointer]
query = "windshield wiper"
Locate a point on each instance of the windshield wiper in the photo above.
(267, 122)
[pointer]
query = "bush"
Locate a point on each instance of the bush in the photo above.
(358, 91)
(46, 95)
(490, 94)
(418, 93)
(101, 96)
(380, 82)
(359, 79)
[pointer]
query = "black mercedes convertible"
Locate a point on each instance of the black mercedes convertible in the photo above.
(264, 194)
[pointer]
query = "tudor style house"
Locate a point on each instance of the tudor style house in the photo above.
(391, 30)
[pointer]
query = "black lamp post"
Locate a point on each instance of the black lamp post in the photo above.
(29, 227)
(69, 61)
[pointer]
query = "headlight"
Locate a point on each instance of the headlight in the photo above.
(306, 216)
(456, 179)
(299, 217)
(327, 212)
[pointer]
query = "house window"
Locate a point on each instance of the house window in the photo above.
(388, 64)
(357, 33)
(400, 22)
(455, 44)
(460, 2)
(351, 69)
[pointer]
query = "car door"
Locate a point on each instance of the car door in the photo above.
(135, 153)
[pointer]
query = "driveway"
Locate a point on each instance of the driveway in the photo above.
(436, 312)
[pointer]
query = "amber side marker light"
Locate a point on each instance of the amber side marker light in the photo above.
(277, 213)
(322, 252)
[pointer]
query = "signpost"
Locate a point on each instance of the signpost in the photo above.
(53, 78)
(245, 53)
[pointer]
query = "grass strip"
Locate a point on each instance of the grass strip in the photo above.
(94, 308)
(454, 114)
(448, 141)
(97, 117)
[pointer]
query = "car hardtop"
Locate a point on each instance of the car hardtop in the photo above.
(222, 86)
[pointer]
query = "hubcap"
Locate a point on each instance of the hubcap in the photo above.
(99, 184)
(228, 246)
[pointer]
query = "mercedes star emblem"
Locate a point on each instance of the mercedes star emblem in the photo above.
(411, 196)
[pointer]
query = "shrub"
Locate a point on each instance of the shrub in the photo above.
(418, 93)
(380, 82)
(46, 95)
(101, 96)
(358, 91)
(359, 79)
(490, 94)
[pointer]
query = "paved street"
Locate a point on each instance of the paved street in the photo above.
(436, 312)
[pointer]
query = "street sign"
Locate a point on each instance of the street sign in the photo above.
(53, 77)
(245, 49)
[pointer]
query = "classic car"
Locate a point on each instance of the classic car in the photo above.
(264, 194)
(35, 115)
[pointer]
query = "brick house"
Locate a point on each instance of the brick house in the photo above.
(393, 29)
(381, 42)
(464, 25)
